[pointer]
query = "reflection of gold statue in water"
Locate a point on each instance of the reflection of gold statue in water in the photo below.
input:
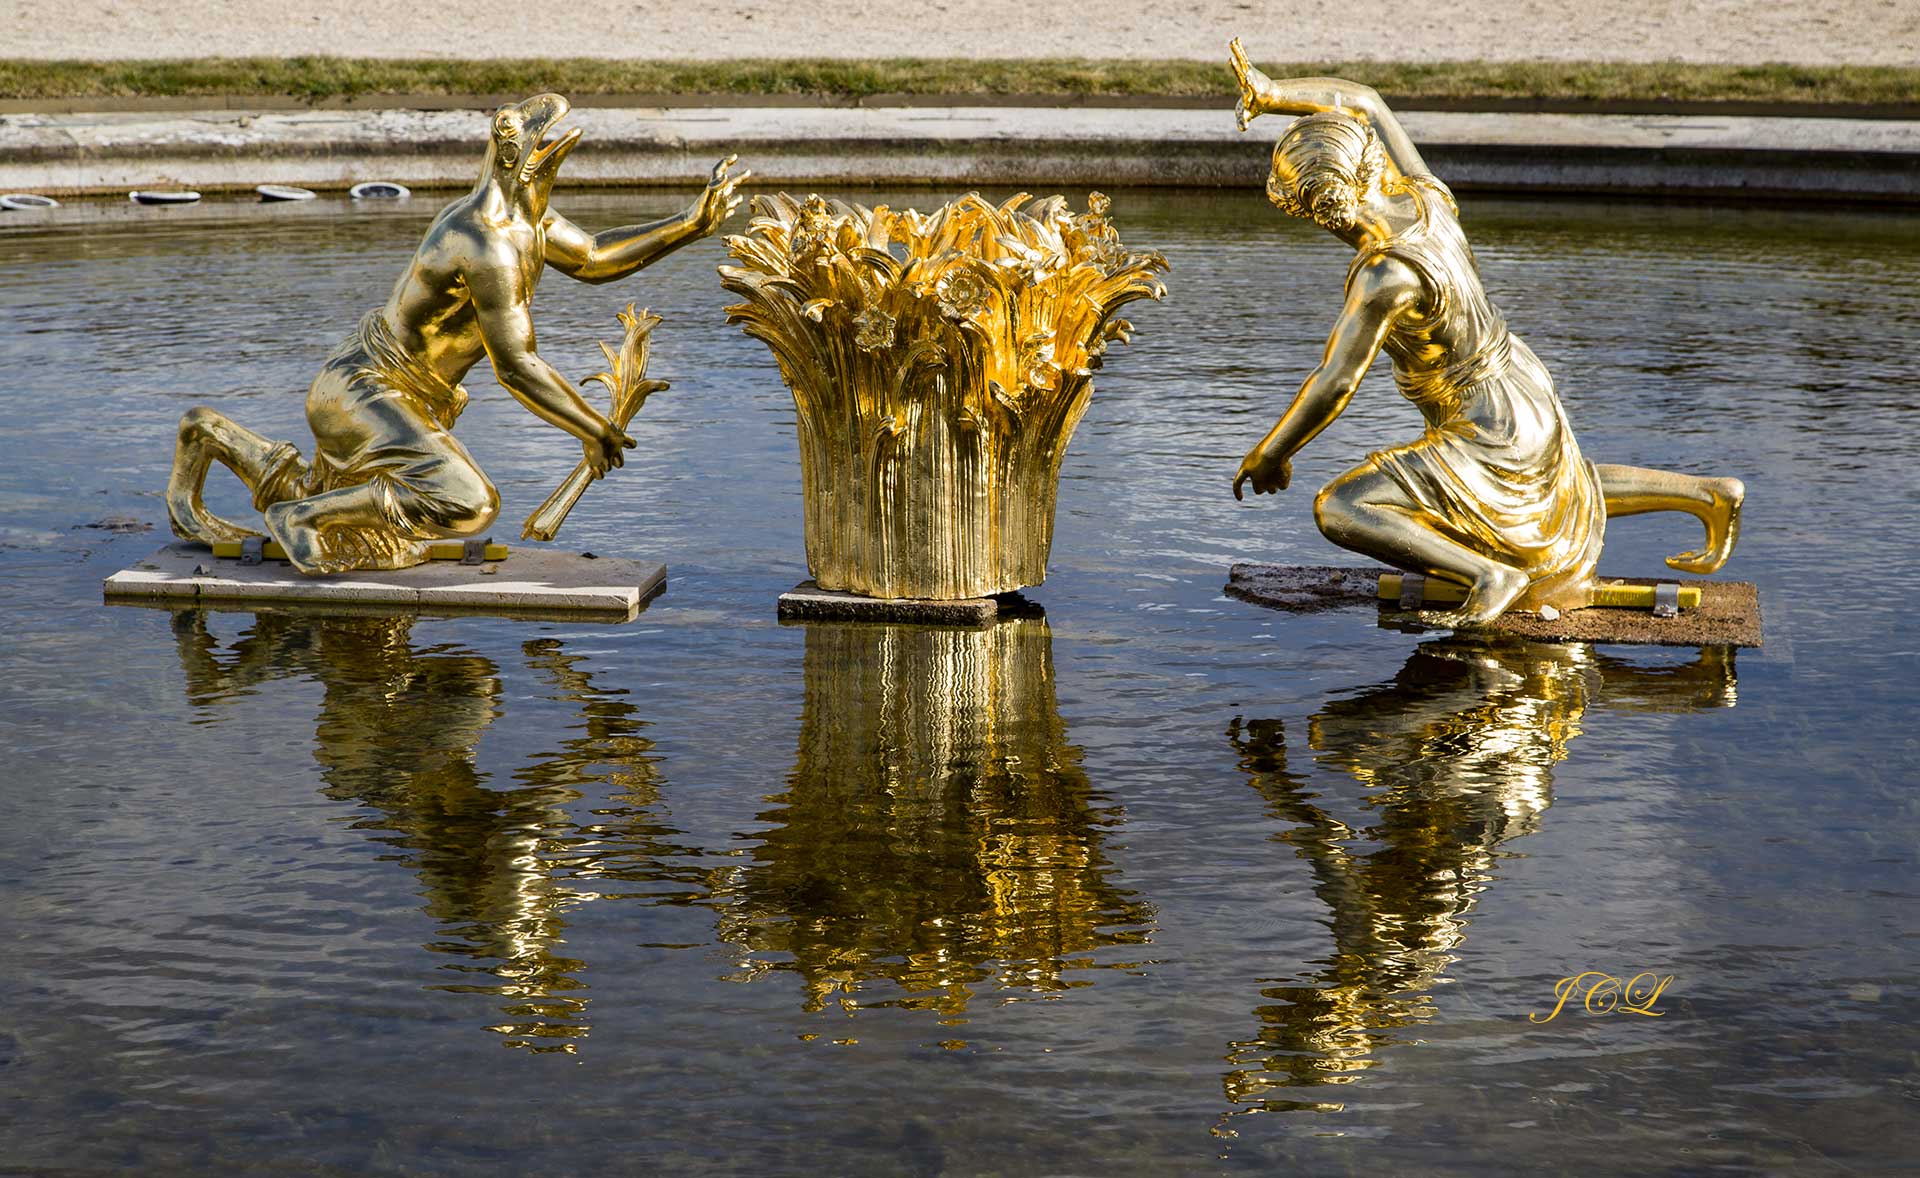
(387, 474)
(937, 833)
(1495, 495)
(1456, 756)
(397, 732)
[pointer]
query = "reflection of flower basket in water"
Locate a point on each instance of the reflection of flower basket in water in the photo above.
(938, 839)
(938, 365)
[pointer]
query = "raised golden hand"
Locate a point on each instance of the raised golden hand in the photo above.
(1252, 83)
(719, 200)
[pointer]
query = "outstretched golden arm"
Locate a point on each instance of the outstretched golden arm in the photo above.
(615, 253)
(1379, 293)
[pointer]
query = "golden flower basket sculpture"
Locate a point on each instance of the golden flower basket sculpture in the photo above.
(938, 364)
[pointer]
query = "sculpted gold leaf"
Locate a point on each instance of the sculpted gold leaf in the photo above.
(938, 365)
(387, 475)
(1495, 495)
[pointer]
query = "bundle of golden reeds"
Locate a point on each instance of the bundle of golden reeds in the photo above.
(939, 364)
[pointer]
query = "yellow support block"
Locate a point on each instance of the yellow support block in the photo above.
(1611, 596)
(1438, 592)
(451, 550)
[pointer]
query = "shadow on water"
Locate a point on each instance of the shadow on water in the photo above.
(938, 838)
(1452, 758)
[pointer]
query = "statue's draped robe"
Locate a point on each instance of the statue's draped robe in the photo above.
(1498, 470)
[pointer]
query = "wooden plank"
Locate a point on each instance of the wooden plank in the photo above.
(1610, 595)
(1726, 613)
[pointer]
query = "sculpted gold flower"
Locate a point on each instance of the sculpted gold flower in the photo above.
(873, 329)
(1037, 368)
(814, 231)
(961, 294)
(1030, 266)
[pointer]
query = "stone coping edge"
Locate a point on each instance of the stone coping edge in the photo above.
(1737, 157)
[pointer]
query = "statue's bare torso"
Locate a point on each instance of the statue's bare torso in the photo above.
(431, 308)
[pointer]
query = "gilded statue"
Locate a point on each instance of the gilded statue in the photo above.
(387, 475)
(1495, 495)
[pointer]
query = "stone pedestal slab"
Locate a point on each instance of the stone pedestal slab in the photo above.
(530, 580)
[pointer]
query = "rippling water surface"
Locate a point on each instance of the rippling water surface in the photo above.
(1158, 883)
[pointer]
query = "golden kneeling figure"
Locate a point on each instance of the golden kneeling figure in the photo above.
(387, 475)
(1495, 495)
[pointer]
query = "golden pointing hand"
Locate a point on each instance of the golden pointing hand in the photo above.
(719, 200)
(1266, 467)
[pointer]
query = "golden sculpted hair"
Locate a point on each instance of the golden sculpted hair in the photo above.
(1322, 165)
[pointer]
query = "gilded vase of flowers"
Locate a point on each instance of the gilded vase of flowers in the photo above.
(939, 364)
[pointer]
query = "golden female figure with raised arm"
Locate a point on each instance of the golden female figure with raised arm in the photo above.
(1495, 494)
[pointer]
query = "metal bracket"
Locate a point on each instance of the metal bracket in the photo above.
(1666, 600)
(253, 550)
(1413, 590)
(475, 551)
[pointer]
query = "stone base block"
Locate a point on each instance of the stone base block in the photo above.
(807, 602)
(532, 581)
(1728, 613)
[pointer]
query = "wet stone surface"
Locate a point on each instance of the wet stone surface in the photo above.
(808, 602)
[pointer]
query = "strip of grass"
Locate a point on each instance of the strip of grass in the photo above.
(322, 78)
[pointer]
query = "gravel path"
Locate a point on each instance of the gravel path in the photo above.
(1865, 32)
